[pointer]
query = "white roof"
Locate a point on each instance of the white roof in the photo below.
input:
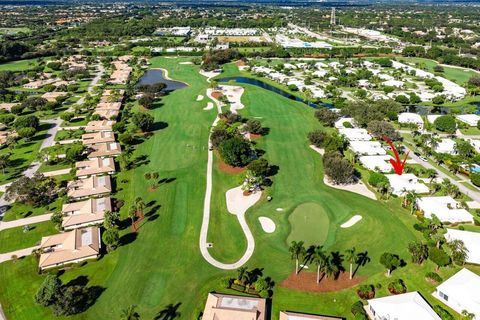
(475, 144)
(339, 123)
(355, 134)
(377, 163)
(410, 117)
(445, 208)
(393, 83)
(446, 146)
(406, 182)
(471, 240)
(432, 117)
(407, 306)
(463, 291)
(470, 119)
(369, 148)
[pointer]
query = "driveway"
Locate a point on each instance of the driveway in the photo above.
(472, 194)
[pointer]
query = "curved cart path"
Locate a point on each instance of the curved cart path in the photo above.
(206, 214)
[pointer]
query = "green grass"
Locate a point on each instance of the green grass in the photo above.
(471, 131)
(163, 265)
(20, 65)
(457, 75)
(15, 239)
(309, 223)
(19, 211)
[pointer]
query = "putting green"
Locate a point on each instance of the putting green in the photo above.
(309, 223)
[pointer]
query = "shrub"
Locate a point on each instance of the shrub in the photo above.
(235, 152)
(445, 124)
(475, 178)
(338, 169)
(397, 287)
(444, 314)
(226, 282)
(433, 277)
(357, 308)
(366, 291)
(317, 138)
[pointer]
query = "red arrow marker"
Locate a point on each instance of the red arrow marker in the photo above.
(396, 164)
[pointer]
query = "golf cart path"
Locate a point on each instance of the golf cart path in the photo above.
(206, 212)
(18, 253)
(25, 221)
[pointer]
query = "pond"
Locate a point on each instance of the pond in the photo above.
(153, 76)
(269, 87)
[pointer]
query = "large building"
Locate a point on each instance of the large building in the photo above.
(406, 306)
(70, 247)
(461, 292)
(287, 315)
(229, 307)
(445, 208)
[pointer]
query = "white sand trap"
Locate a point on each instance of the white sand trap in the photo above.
(279, 209)
(234, 95)
(200, 97)
(267, 224)
(237, 203)
(209, 106)
(209, 74)
(319, 150)
(186, 62)
(358, 188)
(353, 220)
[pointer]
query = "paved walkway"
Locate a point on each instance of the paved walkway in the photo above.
(23, 222)
(206, 214)
(472, 194)
(51, 133)
(19, 253)
(57, 172)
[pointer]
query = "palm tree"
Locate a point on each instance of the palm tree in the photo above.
(241, 273)
(319, 259)
(140, 206)
(4, 161)
(329, 267)
(132, 214)
(432, 174)
(297, 251)
(351, 257)
(130, 313)
(411, 197)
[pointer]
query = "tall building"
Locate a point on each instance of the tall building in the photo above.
(332, 17)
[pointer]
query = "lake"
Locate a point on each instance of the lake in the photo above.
(269, 87)
(153, 76)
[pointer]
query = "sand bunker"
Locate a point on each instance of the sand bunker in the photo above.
(209, 106)
(319, 150)
(209, 74)
(279, 209)
(353, 220)
(237, 203)
(358, 188)
(186, 62)
(200, 97)
(267, 224)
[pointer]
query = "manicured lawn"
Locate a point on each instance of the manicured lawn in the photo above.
(309, 223)
(162, 265)
(460, 76)
(15, 239)
(19, 211)
(22, 155)
(20, 65)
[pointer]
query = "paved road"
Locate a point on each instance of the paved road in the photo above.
(50, 139)
(472, 194)
(206, 215)
(24, 222)
(19, 253)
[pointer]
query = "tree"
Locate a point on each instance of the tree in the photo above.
(132, 214)
(219, 135)
(110, 219)
(74, 152)
(351, 257)
(259, 167)
(297, 251)
(57, 219)
(459, 251)
(464, 149)
(419, 251)
(439, 257)
(254, 126)
(445, 123)
(390, 261)
(111, 238)
(326, 116)
(438, 99)
(474, 177)
(140, 204)
(37, 191)
(474, 81)
(338, 169)
(379, 129)
(147, 100)
(73, 300)
(329, 267)
(143, 121)
(66, 116)
(235, 152)
(49, 290)
(26, 122)
(317, 138)
(26, 132)
(4, 161)
(319, 258)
